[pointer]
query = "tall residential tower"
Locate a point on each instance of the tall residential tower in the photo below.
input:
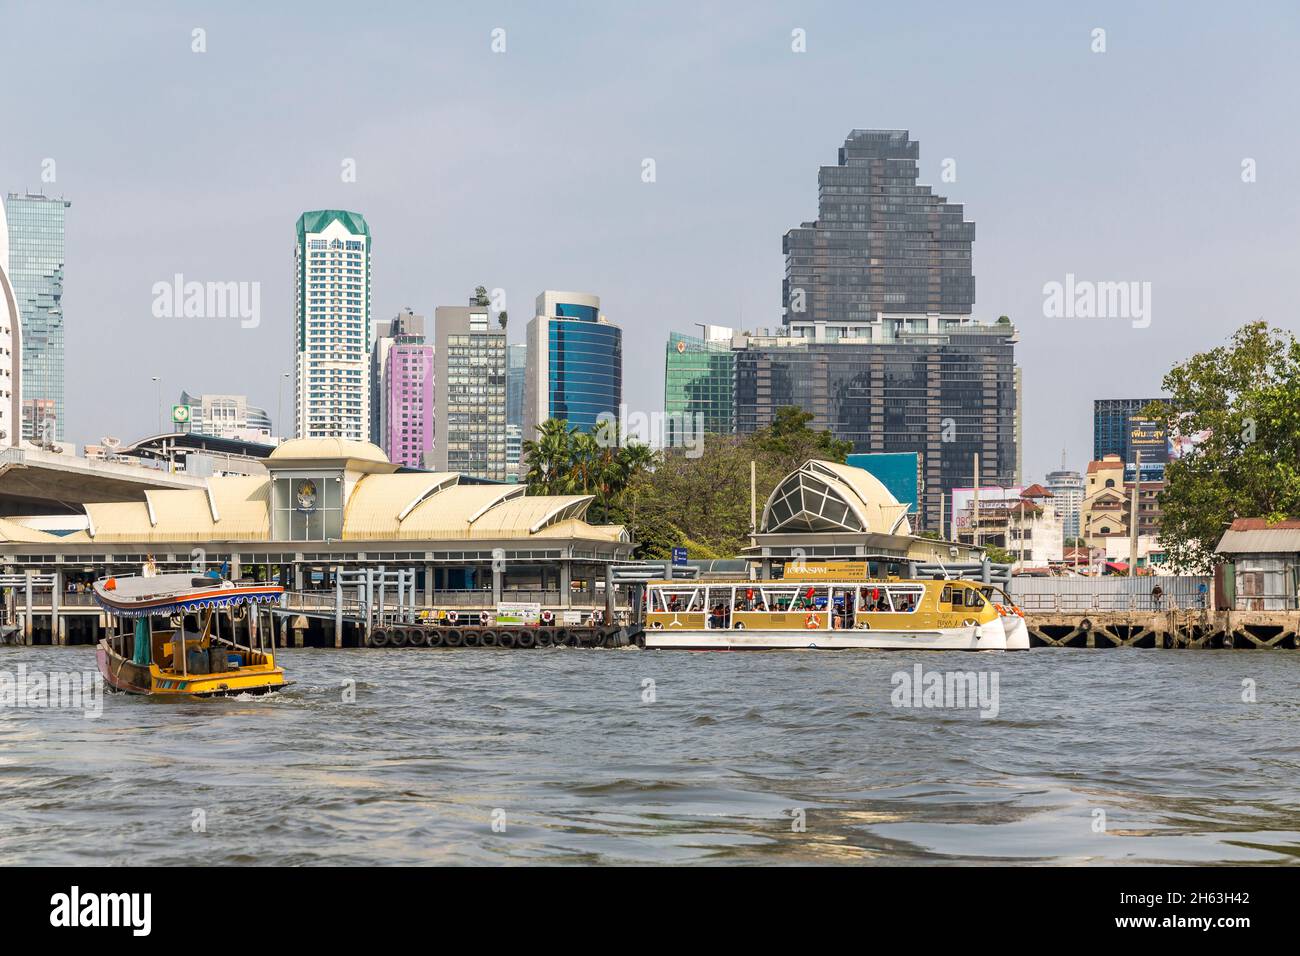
(332, 325)
(469, 392)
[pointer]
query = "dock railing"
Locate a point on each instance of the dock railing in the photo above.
(1073, 594)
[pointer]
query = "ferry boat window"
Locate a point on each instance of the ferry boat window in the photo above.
(974, 598)
(717, 596)
(945, 596)
(677, 600)
(777, 599)
(906, 599)
(874, 599)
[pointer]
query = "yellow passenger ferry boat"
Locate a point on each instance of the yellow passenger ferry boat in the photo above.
(179, 635)
(829, 607)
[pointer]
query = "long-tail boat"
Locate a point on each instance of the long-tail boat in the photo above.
(188, 636)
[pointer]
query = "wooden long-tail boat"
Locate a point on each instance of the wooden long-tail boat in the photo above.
(188, 636)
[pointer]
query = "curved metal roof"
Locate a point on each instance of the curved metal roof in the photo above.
(827, 496)
(298, 448)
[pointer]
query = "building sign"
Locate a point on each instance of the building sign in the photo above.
(963, 502)
(1148, 437)
(180, 414)
(840, 570)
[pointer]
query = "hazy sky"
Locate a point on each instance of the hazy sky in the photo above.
(522, 170)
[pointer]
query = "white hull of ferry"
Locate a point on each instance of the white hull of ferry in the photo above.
(1017, 633)
(988, 637)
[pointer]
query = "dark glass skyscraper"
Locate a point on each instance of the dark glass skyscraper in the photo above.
(1114, 421)
(879, 343)
(881, 243)
(944, 389)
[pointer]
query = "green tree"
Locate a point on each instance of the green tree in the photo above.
(548, 458)
(706, 495)
(1241, 402)
(480, 295)
(789, 441)
(562, 460)
(998, 555)
(697, 499)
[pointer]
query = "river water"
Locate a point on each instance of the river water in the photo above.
(627, 756)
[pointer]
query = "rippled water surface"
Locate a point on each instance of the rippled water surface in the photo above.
(736, 752)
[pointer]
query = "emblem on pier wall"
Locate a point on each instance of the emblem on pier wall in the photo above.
(305, 495)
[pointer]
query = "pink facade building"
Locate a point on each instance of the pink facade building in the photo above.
(407, 394)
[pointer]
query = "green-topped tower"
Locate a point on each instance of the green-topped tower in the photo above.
(332, 325)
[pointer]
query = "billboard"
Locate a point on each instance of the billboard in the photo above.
(900, 472)
(1148, 437)
(963, 502)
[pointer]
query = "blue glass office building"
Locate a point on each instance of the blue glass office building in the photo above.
(575, 363)
(36, 273)
(585, 362)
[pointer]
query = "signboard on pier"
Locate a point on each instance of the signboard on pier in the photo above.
(519, 612)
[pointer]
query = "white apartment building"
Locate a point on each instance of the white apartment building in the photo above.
(225, 416)
(332, 327)
(1067, 490)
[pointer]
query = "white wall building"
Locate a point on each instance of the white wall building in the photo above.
(332, 329)
(1036, 534)
(226, 416)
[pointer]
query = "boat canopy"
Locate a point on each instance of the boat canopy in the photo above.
(166, 594)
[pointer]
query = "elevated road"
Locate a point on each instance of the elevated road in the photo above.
(33, 481)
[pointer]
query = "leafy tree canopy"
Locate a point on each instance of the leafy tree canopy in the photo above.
(1240, 402)
(692, 498)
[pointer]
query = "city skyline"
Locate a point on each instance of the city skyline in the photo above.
(736, 122)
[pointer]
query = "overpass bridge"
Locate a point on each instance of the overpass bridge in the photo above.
(34, 481)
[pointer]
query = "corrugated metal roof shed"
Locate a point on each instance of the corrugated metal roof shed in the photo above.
(1275, 540)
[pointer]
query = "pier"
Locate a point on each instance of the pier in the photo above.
(1165, 629)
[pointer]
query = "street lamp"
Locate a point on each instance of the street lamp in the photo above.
(279, 403)
(157, 379)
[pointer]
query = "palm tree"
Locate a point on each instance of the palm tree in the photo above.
(584, 463)
(549, 458)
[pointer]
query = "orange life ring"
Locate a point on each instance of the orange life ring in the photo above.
(810, 622)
